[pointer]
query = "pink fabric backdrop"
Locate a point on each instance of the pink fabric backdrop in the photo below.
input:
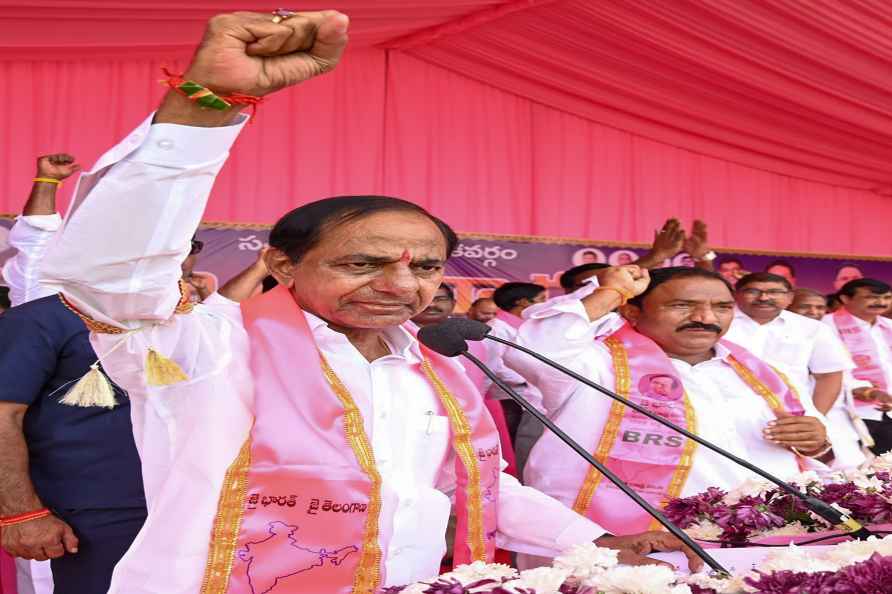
(531, 117)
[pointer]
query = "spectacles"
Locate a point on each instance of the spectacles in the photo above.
(197, 246)
(756, 293)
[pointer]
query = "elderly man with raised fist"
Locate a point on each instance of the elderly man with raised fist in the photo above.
(303, 440)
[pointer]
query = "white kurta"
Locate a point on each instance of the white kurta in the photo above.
(728, 412)
(31, 235)
(190, 432)
(883, 350)
(800, 346)
(495, 360)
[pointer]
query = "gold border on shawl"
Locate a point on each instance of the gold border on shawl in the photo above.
(593, 477)
(368, 574)
(224, 537)
(464, 448)
(685, 463)
(611, 429)
(91, 324)
(750, 379)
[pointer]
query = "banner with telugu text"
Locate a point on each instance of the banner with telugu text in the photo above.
(481, 263)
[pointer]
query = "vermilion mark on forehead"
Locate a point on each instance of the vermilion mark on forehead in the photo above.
(406, 257)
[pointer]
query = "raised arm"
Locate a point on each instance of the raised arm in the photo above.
(34, 229)
(119, 252)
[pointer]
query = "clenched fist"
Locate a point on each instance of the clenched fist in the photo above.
(41, 539)
(249, 53)
(58, 166)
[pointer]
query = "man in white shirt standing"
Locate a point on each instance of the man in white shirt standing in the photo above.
(303, 439)
(868, 336)
(513, 299)
(718, 389)
(805, 350)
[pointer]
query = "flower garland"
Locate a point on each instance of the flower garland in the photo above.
(855, 567)
(758, 510)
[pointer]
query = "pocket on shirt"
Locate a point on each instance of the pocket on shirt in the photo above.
(429, 441)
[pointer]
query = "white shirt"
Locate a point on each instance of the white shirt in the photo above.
(31, 236)
(883, 352)
(495, 360)
(728, 413)
(799, 347)
(189, 433)
(796, 345)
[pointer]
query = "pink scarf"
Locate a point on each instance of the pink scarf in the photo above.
(301, 506)
(509, 318)
(653, 459)
(863, 350)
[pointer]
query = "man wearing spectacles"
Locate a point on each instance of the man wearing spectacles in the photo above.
(813, 358)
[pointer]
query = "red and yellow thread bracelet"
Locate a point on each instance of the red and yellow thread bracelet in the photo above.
(48, 180)
(22, 518)
(205, 97)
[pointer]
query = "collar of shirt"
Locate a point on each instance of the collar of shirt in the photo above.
(721, 356)
(399, 340)
(779, 320)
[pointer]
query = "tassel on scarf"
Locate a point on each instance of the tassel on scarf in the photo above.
(161, 371)
(93, 389)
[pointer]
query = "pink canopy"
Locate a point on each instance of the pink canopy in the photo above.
(535, 117)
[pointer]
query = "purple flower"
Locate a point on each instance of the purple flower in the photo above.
(689, 510)
(749, 515)
(695, 589)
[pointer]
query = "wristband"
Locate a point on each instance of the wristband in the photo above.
(48, 180)
(22, 518)
(624, 296)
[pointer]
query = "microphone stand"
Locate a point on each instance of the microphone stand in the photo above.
(828, 512)
(657, 515)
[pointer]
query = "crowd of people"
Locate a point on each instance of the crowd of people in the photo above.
(287, 432)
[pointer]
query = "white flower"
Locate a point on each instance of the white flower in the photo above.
(869, 483)
(731, 585)
(478, 570)
(643, 579)
(704, 530)
(804, 479)
(882, 463)
(586, 560)
(543, 580)
(752, 487)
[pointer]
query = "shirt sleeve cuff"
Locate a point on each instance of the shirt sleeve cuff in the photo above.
(175, 145)
(580, 531)
(50, 222)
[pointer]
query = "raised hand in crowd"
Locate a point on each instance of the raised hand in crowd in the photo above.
(246, 283)
(51, 170)
(696, 245)
(249, 53)
(669, 240)
(616, 285)
(58, 166)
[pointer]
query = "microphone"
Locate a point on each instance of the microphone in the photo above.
(446, 339)
(472, 329)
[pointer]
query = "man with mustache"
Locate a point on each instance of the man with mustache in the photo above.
(306, 418)
(808, 352)
(674, 322)
(868, 336)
